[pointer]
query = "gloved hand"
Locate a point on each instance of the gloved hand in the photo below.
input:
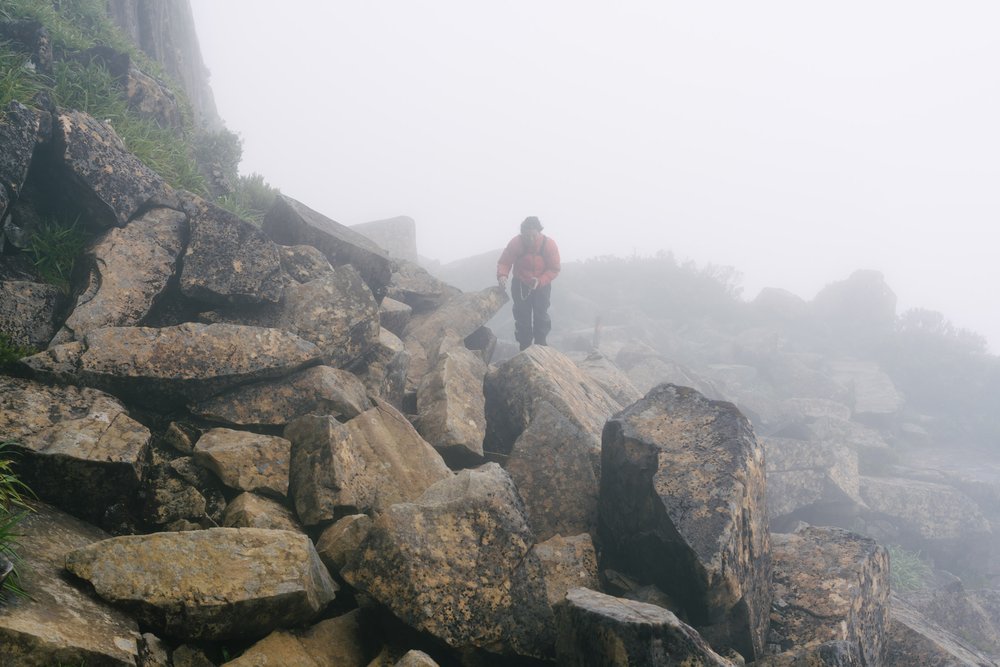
(502, 281)
(534, 284)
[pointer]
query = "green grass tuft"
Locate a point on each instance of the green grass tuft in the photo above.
(18, 79)
(908, 572)
(54, 247)
(251, 199)
(14, 496)
(10, 351)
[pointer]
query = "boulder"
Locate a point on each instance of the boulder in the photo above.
(914, 640)
(20, 128)
(817, 408)
(568, 562)
(858, 437)
(128, 270)
(646, 368)
(831, 654)
(457, 564)
(104, 179)
(682, 506)
(248, 510)
(170, 501)
(290, 223)
(451, 406)
(551, 464)
(415, 658)
(414, 286)
(59, 623)
(460, 315)
(228, 261)
(802, 474)
(79, 449)
(973, 615)
(335, 642)
(28, 312)
(303, 262)
(384, 369)
(538, 374)
(483, 342)
(246, 461)
(611, 379)
(830, 585)
(211, 584)
(320, 390)
(153, 651)
(340, 540)
(371, 462)
(871, 391)
(598, 629)
(394, 315)
(174, 365)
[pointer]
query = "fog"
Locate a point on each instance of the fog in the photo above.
(796, 142)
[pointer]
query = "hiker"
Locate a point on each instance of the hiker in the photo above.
(535, 260)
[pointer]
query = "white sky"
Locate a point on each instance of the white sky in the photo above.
(796, 141)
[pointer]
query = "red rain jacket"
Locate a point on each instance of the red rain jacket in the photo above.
(541, 261)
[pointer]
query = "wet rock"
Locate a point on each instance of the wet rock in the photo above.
(384, 369)
(418, 289)
(682, 506)
(830, 585)
(394, 315)
(60, 623)
(552, 467)
(290, 223)
(246, 461)
(106, 180)
(802, 474)
(303, 262)
(209, 584)
(28, 312)
(338, 542)
(128, 271)
(174, 365)
(598, 629)
(335, 642)
(568, 562)
(371, 462)
(320, 390)
(451, 406)
(248, 510)
(915, 640)
(457, 564)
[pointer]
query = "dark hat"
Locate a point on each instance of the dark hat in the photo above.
(531, 222)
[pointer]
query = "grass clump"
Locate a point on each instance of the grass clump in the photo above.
(18, 78)
(14, 495)
(251, 199)
(908, 572)
(54, 247)
(10, 351)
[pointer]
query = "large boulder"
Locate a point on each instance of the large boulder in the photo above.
(568, 562)
(394, 315)
(211, 584)
(19, 133)
(335, 642)
(79, 449)
(104, 178)
(457, 564)
(809, 475)
(598, 629)
(28, 312)
(915, 640)
(290, 222)
(612, 379)
(303, 262)
(366, 465)
(682, 506)
(246, 461)
(870, 389)
(174, 365)
(830, 585)
(451, 407)
(320, 390)
(128, 270)
(418, 289)
(461, 315)
(248, 510)
(538, 374)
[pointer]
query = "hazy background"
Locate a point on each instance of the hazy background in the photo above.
(794, 141)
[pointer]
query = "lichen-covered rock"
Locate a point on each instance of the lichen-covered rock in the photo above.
(838, 653)
(457, 564)
(320, 390)
(394, 315)
(19, 132)
(173, 365)
(338, 542)
(384, 369)
(598, 629)
(228, 260)
(568, 562)
(211, 584)
(552, 467)
(151, 99)
(682, 506)
(612, 379)
(915, 640)
(58, 623)
(336, 642)
(248, 510)
(804, 473)
(169, 499)
(79, 449)
(418, 289)
(460, 315)
(106, 180)
(542, 374)
(451, 407)
(415, 658)
(371, 462)
(303, 262)
(290, 223)
(128, 270)
(28, 312)
(830, 585)
(246, 461)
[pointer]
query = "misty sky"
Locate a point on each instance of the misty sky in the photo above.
(794, 141)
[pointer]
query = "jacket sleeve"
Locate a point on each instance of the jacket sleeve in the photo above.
(507, 258)
(552, 264)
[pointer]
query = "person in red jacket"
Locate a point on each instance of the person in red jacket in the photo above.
(534, 258)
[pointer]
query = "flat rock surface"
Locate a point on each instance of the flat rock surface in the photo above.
(28, 312)
(246, 461)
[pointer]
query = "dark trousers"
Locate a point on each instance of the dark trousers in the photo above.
(531, 313)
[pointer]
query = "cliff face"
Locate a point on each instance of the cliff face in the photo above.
(164, 30)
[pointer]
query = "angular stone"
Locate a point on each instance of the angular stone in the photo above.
(460, 315)
(457, 564)
(246, 461)
(970, 614)
(28, 312)
(597, 629)
(816, 408)
(170, 365)
(335, 642)
(248, 510)
(79, 449)
(384, 369)
(803, 474)
(394, 315)
(211, 584)
(682, 506)
(552, 467)
(228, 260)
(542, 374)
(859, 437)
(320, 390)
(872, 391)
(338, 542)
(128, 271)
(451, 406)
(418, 289)
(371, 462)
(831, 654)
(153, 651)
(151, 99)
(830, 585)
(169, 499)
(303, 262)
(415, 658)
(568, 562)
(290, 222)
(106, 180)
(19, 132)
(611, 379)
(915, 640)
(59, 623)
(483, 342)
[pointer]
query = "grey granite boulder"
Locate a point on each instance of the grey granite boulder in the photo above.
(568, 562)
(246, 461)
(461, 315)
(29, 311)
(450, 404)
(303, 262)
(211, 584)
(611, 378)
(682, 506)
(418, 289)
(913, 639)
(384, 369)
(394, 315)
(807, 474)
(871, 390)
